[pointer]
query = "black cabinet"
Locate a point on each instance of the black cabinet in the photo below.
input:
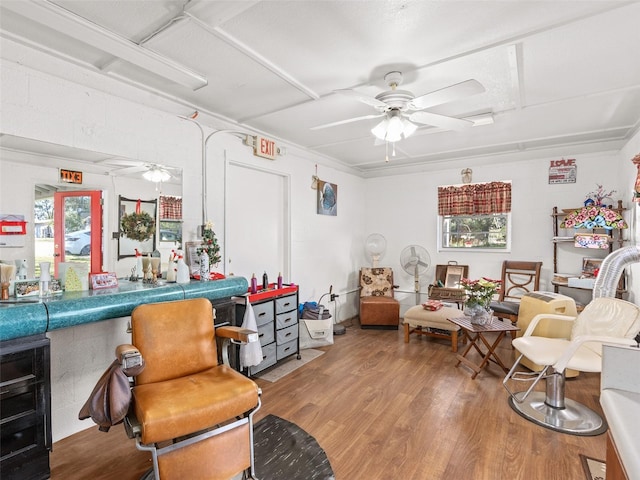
(25, 408)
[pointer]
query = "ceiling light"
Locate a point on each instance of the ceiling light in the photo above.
(482, 119)
(156, 174)
(79, 28)
(394, 128)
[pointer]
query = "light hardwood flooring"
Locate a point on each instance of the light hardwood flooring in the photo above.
(383, 409)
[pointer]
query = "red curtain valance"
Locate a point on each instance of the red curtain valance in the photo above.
(475, 199)
(170, 208)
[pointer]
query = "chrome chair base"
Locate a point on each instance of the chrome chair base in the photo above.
(574, 418)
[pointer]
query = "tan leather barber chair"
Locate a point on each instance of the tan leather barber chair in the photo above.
(192, 413)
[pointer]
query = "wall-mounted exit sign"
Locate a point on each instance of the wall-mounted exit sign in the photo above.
(265, 147)
(70, 176)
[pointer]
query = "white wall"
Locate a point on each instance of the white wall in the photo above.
(404, 210)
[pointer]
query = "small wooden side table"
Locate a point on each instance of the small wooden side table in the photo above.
(476, 334)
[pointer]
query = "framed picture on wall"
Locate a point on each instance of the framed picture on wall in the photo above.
(327, 198)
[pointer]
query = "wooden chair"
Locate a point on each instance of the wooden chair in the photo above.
(518, 278)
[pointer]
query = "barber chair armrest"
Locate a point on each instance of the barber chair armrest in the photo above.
(578, 341)
(543, 316)
(237, 334)
(130, 359)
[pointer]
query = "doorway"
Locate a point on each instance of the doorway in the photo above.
(68, 227)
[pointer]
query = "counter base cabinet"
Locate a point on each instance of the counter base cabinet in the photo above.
(615, 470)
(25, 411)
(277, 321)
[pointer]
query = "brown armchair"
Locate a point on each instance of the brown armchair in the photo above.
(378, 308)
(518, 278)
(192, 413)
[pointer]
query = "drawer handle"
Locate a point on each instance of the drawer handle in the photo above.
(287, 304)
(261, 314)
(260, 335)
(287, 319)
(288, 334)
(287, 349)
(264, 357)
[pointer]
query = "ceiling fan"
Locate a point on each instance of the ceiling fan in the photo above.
(402, 110)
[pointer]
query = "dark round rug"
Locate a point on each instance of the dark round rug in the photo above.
(285, 451)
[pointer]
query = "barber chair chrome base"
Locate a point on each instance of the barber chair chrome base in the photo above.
(551, 409)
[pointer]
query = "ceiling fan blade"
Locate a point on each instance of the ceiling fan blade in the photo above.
(446, 95)
(349, 120)
(450, 123)
(366, 99)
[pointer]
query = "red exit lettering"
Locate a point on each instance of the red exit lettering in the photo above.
(563, 163)
(267, 147)
(70, 176)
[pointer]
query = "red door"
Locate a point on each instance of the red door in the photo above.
(78, 228)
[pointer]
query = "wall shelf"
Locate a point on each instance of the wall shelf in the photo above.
(561, 237)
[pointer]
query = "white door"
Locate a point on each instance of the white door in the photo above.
(257, 223)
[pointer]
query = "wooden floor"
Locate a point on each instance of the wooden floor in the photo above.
(383, 409)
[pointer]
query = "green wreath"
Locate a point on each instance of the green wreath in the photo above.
(137, 226)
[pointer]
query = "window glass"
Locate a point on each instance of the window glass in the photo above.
(475, 232)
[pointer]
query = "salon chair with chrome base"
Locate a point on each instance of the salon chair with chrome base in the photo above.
(603, 321)
(192, 413)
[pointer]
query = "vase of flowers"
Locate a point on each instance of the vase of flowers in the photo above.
(479, 294)
(209, 246)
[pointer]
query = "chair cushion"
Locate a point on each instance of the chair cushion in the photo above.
(377, 281)
(547, 351)
(185, 405)
(419, 317)
(509, 308)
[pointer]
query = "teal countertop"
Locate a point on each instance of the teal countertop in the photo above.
(29, 316)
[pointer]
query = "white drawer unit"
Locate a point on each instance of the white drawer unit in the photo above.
(277, 320)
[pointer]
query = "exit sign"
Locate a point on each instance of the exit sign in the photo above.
(70, 176)
(265, 147)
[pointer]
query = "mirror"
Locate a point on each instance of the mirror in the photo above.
(112, 174)
(137, 221)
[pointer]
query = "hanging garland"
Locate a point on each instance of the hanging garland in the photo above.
(138, 225)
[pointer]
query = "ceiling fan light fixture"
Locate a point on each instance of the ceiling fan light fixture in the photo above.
(156, 174)
(409, 128)
(380, 130)
(394, 129)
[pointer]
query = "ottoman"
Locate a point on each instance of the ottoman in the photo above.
(432, 324)
(379, 312)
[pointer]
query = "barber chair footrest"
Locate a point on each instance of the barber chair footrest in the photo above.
(574, 419)
(217, 458)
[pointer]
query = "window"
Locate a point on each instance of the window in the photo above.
(475, 216)
(475, 231)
